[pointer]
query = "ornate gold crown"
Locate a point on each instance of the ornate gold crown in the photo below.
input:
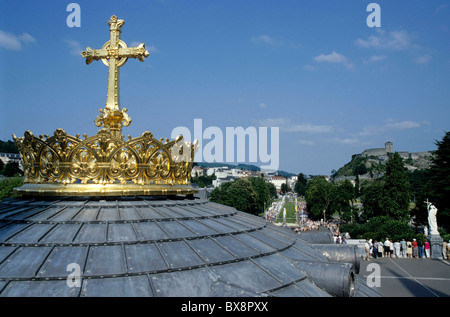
(106, 164)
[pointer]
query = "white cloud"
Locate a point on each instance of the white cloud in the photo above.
(310, 68)
(424, 59)
(263, 105)
(403, 125)
(375, 58)
(287, 126)
(264, 39)
(13, 42)
(390, 126)
(345, 141)
(151, 48)
(395, 40)
(27, 38)
(333, 58)
(74, 46)
(306, 142)
(308, 128)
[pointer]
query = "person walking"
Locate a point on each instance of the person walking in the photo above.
(409, 249)
(375, 249)
(420, 245)
(403, 248)
(367, 249)
(397, 247)
(415, 248)
(380, 249)
(387, 248)
(427, 249)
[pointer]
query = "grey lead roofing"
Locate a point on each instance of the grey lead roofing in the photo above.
(149, 246)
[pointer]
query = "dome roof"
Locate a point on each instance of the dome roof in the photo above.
(163, 246)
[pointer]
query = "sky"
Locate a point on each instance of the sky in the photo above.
(333, 85)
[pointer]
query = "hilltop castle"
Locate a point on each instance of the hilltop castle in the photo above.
(414, 160)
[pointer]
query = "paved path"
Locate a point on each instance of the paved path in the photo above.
(409, 277)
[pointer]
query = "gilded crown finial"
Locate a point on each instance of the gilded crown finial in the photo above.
(106, 164)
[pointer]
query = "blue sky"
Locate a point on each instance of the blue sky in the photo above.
(333, 85)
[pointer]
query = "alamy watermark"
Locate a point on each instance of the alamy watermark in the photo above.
(374, 278)
(74, 18)
(74, 278)
(234, 145)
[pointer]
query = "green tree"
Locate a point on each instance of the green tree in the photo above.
(361, 169)
(371, 200)
(8, 147)
(242, 196)
(219, 194)
(396, 191)
(204, 180)
(7, 185)
(272, 190)
(300, 185)
(262, 192)
(238, 194)
(12, 169)
(344, 194)
(440, 180)
(318, 196)
(284, 188)
(420, 192)
(357, 186)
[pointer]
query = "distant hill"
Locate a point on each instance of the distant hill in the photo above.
(230, 166)
(372, 163)
(248, 167)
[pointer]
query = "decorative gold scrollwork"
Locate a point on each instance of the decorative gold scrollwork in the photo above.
(103, 159)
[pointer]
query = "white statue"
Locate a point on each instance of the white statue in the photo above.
(432, 210)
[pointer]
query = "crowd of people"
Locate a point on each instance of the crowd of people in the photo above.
(308, 225)
(402, 249)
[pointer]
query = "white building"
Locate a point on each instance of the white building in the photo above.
(197, 171)
(278, 181)
(13, 157)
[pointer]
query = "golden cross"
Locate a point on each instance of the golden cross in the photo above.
(114, 54)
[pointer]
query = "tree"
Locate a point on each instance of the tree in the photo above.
(284, 188)
(242, 196)
(8, 147)
(12, 169)
(343, 196)
(357, 185)
(396, 191)
(371, 200)
(361, 169)
(204, 180)
(440, 180)
(248, 195)
(300, 185)
(318, 196)
(262, 192)
(420, 192)
(7, 185)
(272, 190)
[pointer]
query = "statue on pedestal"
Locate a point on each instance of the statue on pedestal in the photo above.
(434, 237)
(432, 223)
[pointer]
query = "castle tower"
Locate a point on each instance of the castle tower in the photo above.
(389, 146)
